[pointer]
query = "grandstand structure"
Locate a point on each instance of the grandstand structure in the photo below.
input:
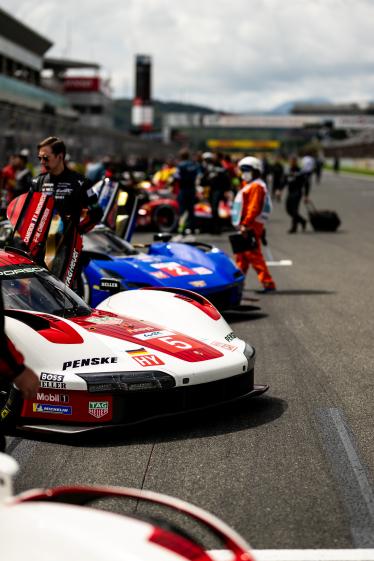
(39, 98)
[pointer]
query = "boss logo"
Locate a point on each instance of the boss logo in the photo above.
(51, 377)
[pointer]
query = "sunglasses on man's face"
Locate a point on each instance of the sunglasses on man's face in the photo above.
(43, 158)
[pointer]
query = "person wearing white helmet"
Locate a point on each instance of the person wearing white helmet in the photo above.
(251, 210)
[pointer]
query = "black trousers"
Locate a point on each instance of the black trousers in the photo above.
(292, 207)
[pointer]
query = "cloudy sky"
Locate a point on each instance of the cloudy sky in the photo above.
(233, 55)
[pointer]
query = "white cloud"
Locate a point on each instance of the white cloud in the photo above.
(235, 55)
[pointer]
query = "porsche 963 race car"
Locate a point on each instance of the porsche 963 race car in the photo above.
(141, 354)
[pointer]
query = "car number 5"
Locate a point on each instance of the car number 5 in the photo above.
(176, 343)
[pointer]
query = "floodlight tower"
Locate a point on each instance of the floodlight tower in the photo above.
(142, 109)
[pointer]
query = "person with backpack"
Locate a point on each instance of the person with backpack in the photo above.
(251, 209)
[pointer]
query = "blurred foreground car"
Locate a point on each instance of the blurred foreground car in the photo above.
(63, 523)
(142, 354)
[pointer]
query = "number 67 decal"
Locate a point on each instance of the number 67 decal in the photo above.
(175, 343)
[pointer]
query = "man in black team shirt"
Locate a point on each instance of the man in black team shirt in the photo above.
(75, 206)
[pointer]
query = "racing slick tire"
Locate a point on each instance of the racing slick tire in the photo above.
(165, 219)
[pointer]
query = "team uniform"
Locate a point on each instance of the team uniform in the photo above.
(253, 206)
(72, 194)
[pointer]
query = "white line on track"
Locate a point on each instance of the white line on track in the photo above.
(351, 475)
(280, 263)
(301, 555)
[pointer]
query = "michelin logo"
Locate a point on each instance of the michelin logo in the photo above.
(56, 409)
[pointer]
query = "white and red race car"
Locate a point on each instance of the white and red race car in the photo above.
(62, 523)
(140, 354)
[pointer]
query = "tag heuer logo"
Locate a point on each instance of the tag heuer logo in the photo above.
(98, 408)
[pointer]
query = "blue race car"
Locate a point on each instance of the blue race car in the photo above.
(110, 264)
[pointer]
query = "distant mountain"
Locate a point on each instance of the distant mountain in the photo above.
(286, 108)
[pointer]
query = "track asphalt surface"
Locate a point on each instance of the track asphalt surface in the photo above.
(295, 467)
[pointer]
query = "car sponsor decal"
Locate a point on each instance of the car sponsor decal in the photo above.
(153, 335)
(52, 381)
(159, 275)
(55, 409)
(145, 358)
(94, 361)
(202, 271)
(198, 283)
(98, 409)
(19, 271)
(230, 336)
(109, 320)
(53, 397)
(174, 269)
(226, 346)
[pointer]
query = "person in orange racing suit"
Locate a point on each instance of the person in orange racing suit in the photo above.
(255, 207)
(13, 370)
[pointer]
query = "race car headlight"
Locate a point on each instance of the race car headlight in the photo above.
(128, 381)
(250, 354)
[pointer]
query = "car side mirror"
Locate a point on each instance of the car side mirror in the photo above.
(110, 285)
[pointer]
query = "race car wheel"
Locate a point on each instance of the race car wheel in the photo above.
(165, 218)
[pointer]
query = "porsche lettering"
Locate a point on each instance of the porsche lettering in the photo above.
(13, 272)
(94, 361)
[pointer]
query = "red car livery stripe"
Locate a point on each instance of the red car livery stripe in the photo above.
(153, 336)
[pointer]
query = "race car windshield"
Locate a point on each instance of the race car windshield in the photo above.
(41, 292)
(103, 241)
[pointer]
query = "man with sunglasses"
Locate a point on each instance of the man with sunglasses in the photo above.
(75, 206)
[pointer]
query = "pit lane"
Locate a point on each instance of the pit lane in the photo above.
(294, 468)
